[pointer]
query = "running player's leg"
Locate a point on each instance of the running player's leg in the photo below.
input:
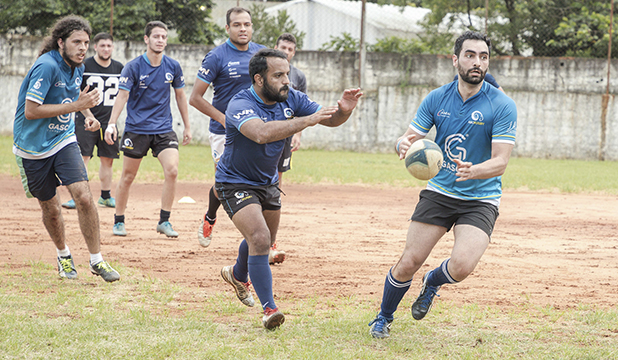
(204, 232)
(251, 223)
(130, 166)
(87, 215)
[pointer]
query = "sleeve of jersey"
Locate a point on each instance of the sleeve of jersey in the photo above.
(179, 78)
(41, 80)
(423, 120)
(238, 112)
(208, 70)
(505, 125)
(303, 105)
(126, 78)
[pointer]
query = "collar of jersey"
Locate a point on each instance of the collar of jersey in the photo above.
(229, 42)
(148, 60)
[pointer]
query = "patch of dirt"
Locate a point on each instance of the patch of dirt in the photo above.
(547, 249)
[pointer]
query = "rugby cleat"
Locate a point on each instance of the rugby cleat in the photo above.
(424, 302)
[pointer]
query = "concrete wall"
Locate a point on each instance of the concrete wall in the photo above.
(559, 100)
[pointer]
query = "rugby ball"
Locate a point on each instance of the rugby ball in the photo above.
(424, 159)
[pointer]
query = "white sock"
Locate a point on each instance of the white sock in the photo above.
(64, 253)
(96, 258)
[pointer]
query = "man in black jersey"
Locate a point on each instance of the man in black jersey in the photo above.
(101, 72)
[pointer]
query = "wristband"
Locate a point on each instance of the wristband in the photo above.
(397, 147)
(110, 128)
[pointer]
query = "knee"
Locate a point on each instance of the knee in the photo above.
(83, 200)
(406, 268)
(171, 173)
(260, 240)
(459, 270)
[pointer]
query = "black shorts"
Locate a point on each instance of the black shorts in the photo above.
(41, 177)
(285, 161)
(87, 140)
(437, 209)
(136, 146)
(234, 197)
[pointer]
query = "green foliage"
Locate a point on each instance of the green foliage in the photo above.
(585, 33)
(266, 28)
(341, 43)
(188, 17)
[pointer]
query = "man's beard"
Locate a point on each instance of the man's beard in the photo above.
(71, 63)
(271, 94)
(464, 75)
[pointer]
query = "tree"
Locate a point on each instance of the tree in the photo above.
(188, 17)
(266, 28)
(345, 42)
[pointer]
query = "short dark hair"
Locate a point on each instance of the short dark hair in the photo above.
(235, 9)
(153, 24)
(471, 35)
(286, 37)
(102, 36)
(62, 29)
(259, 62)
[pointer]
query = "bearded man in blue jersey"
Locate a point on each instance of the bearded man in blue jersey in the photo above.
(475, 128)
(45, 145)
(257, 122)
(145, 87)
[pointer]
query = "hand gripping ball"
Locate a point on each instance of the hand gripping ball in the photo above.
(424, 159)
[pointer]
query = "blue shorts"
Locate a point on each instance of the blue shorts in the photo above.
(40, 178)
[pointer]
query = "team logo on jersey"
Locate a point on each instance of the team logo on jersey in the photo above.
(477, 118)
(243, 113)
(123, 79)
(37, 84)
(242, 196)
(66, 117)
(453, 151)
(443, 113)
(59, 84)
(78, 81)
(203, 71)
(127, 144)
(289, 113)
(169, 77)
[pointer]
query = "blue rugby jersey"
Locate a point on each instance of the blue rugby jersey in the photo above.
(226, 69)
(148, 107)
(245, 161)
(49, 81)
(466, 131)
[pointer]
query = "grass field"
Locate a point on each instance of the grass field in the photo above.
(143, 317)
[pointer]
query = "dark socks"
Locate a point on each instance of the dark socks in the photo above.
(106, 194)
(440, 275)
(262, 280)
(241, 271)
(213, 206)
(164, 216)
(118, 219)
(394, 291)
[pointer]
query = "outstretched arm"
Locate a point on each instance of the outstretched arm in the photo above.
(346, 104)
(265, 132)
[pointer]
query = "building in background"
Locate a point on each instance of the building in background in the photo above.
(323, 19)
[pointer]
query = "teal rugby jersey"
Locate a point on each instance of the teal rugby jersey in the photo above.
(466, 131)
(49, 81)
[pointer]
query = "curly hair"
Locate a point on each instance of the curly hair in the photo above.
(62, 29)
